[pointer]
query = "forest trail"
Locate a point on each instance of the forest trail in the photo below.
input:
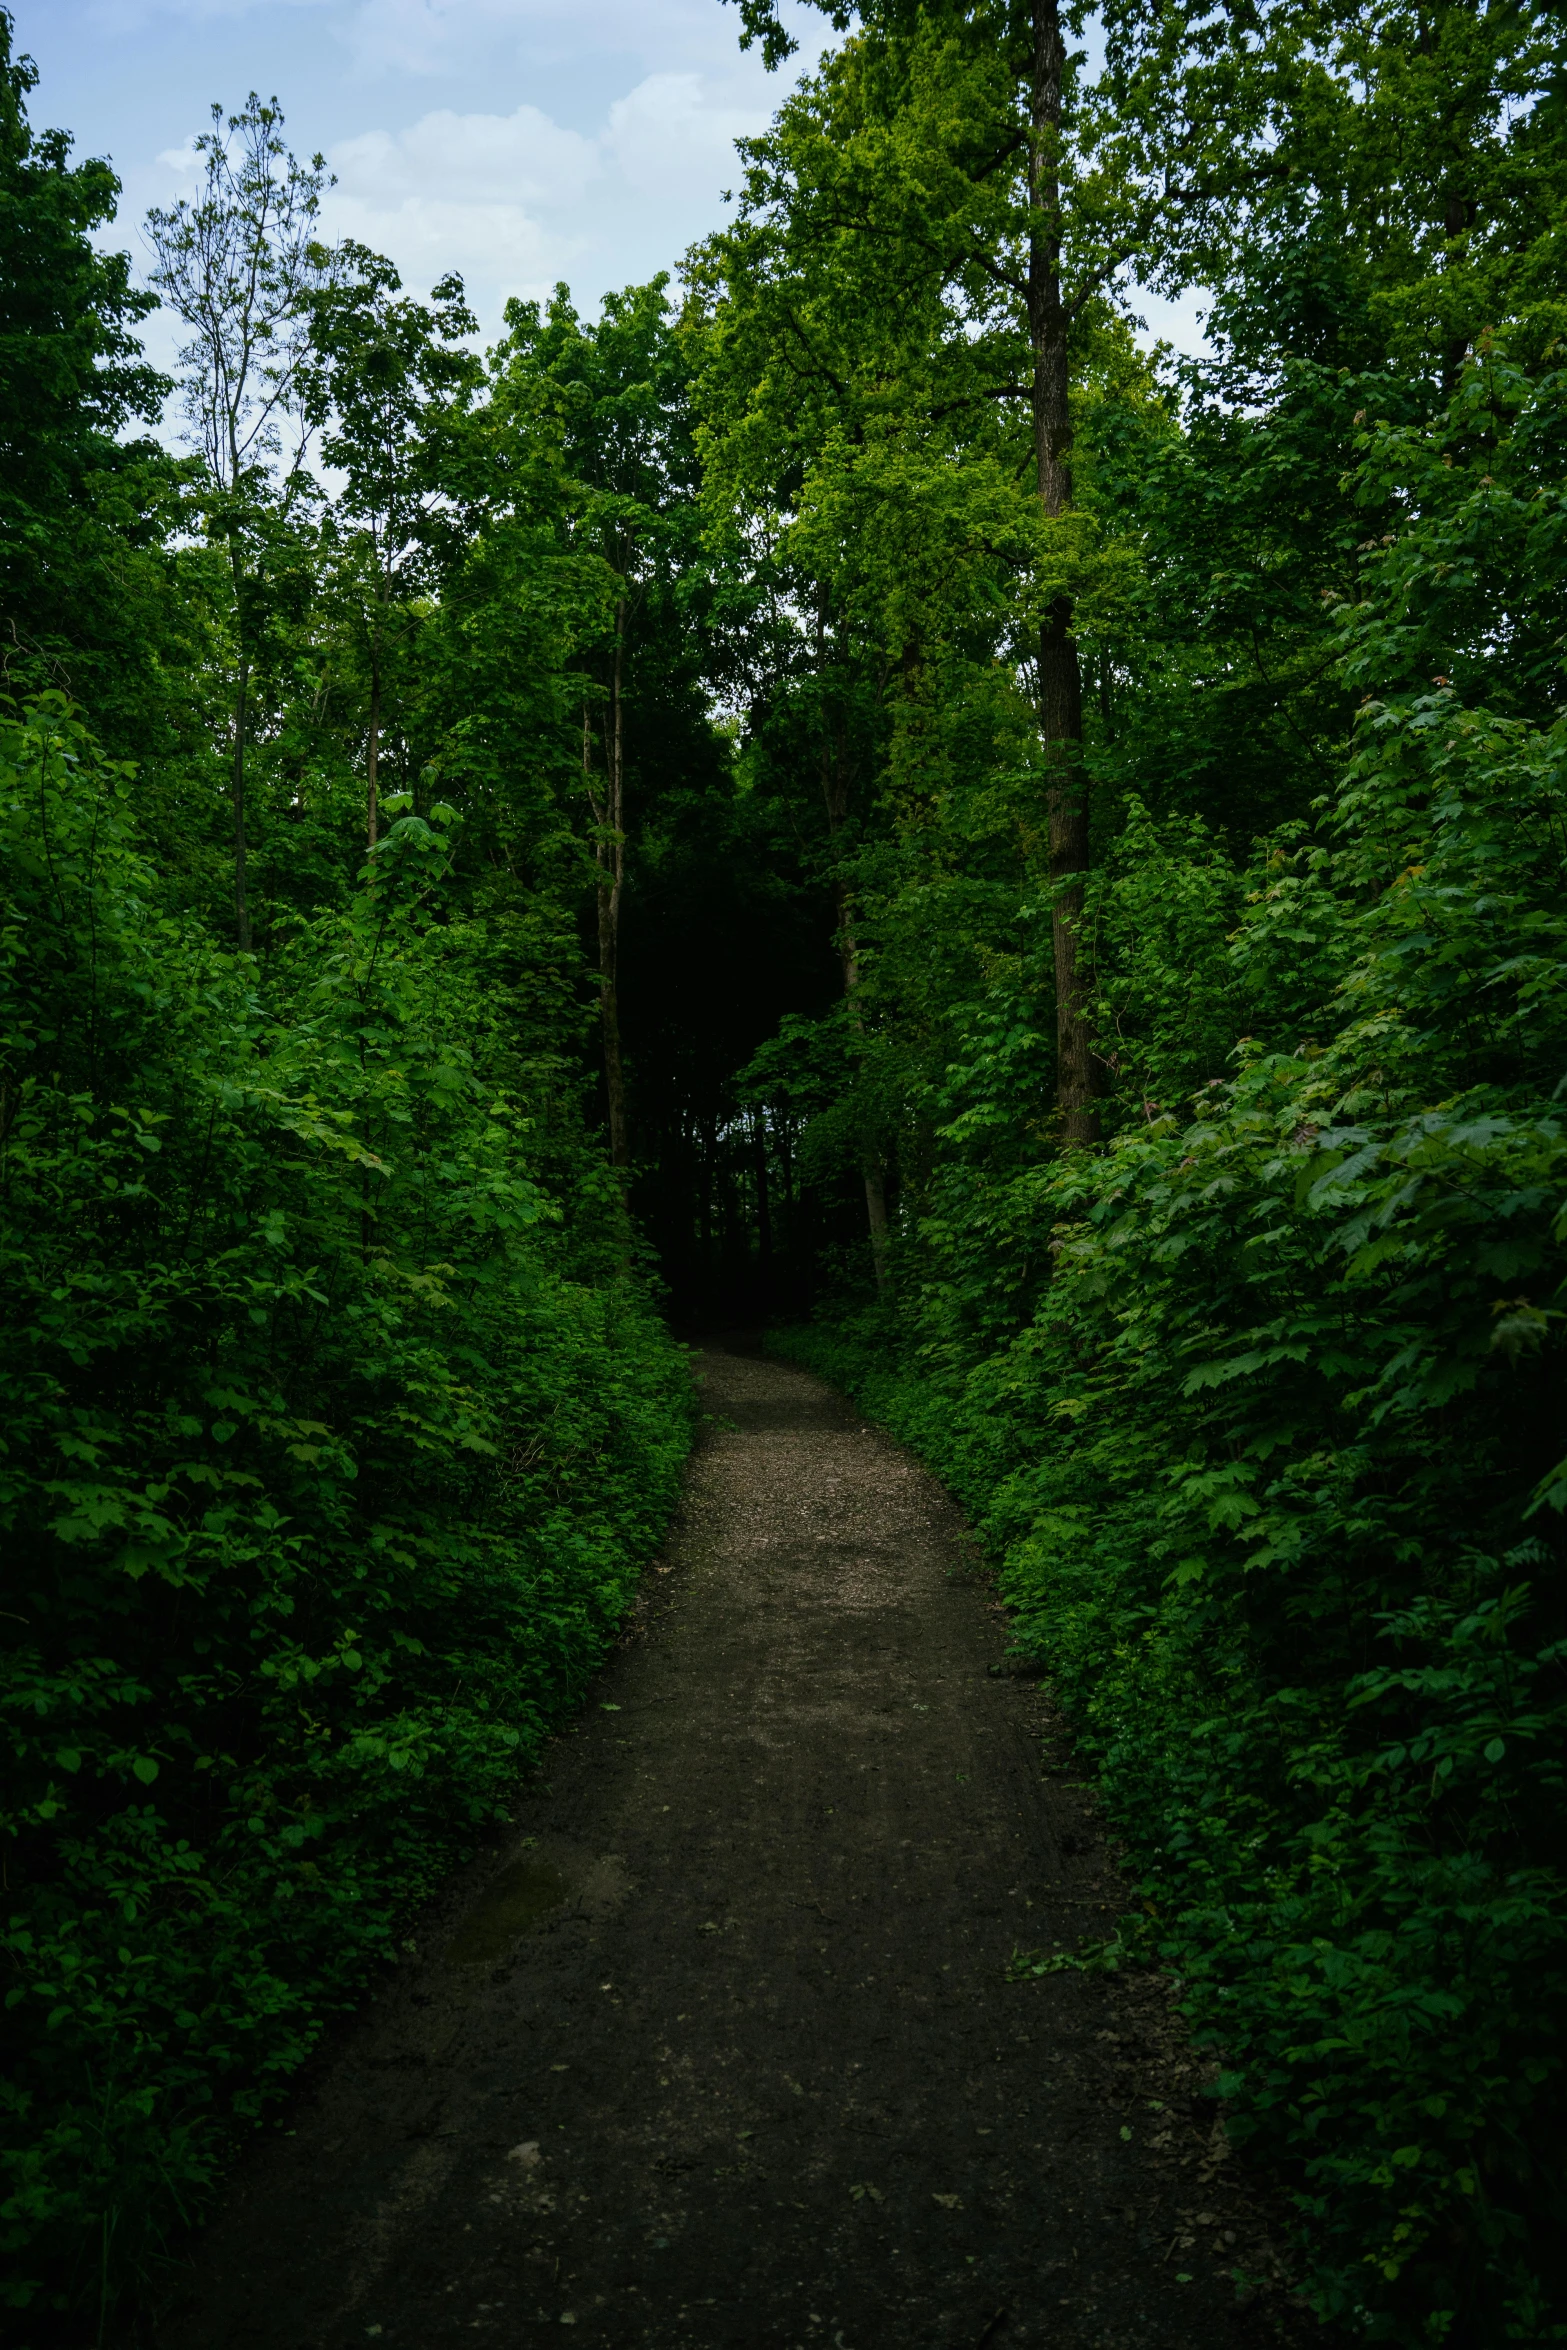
(718, 2050)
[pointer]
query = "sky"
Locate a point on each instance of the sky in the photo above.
(517, 141)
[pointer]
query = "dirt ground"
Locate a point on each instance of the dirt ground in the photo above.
(718, 2051)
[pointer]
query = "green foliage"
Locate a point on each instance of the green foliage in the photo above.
(336, 1418)
(388, 380)
(1256, 1411)
(1416, 194)
(84, 507)
(335, 1431)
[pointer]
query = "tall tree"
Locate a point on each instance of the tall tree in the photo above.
(1415, 176)
(83, 503)
(382, 374)
(962, 145)
(614, 395)
(237, 266)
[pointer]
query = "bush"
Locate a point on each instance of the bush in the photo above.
(336, 1424)
(1259, 1412)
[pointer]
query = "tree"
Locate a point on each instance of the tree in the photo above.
(237, 266)
(381, 375)
(614, 396)
(1012, 197)
(1416, 181)
(83, 504)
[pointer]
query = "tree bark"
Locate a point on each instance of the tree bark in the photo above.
(876, 1216)
(609, 1019)
(237, 792)
(835, 793)
(709, 1144)
(1457, 220)
(372, 754)
(1060, 680)
(610, 859)
(764, 1205)
(875, 1181)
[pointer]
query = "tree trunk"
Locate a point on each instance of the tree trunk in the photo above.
(876, 1216)
(708, 1136)
(610, 857)
(791, 1216)
(764, 1206)
(609, 1019)
(1457, 220)
(372, 754)
(1458, 217)
(1060, 681)
(835, 794)
(237, 790)
(875, 1182)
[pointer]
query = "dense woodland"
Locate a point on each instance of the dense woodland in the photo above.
(845, 792)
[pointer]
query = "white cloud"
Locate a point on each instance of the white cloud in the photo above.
(422, 36)
(516, 201)
(481, 159)
(614, 165)
(135, 16)
(667, 136)
(448, 36)
(496, 248)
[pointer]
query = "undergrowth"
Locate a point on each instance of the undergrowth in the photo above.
(336, 1424)
(1258, 1412)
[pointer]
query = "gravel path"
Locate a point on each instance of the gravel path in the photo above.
(719, 2051)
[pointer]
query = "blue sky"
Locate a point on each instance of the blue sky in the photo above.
(519, 141)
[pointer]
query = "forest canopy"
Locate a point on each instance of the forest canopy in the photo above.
(848, 790)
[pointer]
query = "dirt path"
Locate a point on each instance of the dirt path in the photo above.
(719, 2052)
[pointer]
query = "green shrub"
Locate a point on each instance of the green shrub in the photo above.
(1259, 1411)
(335, 1428)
